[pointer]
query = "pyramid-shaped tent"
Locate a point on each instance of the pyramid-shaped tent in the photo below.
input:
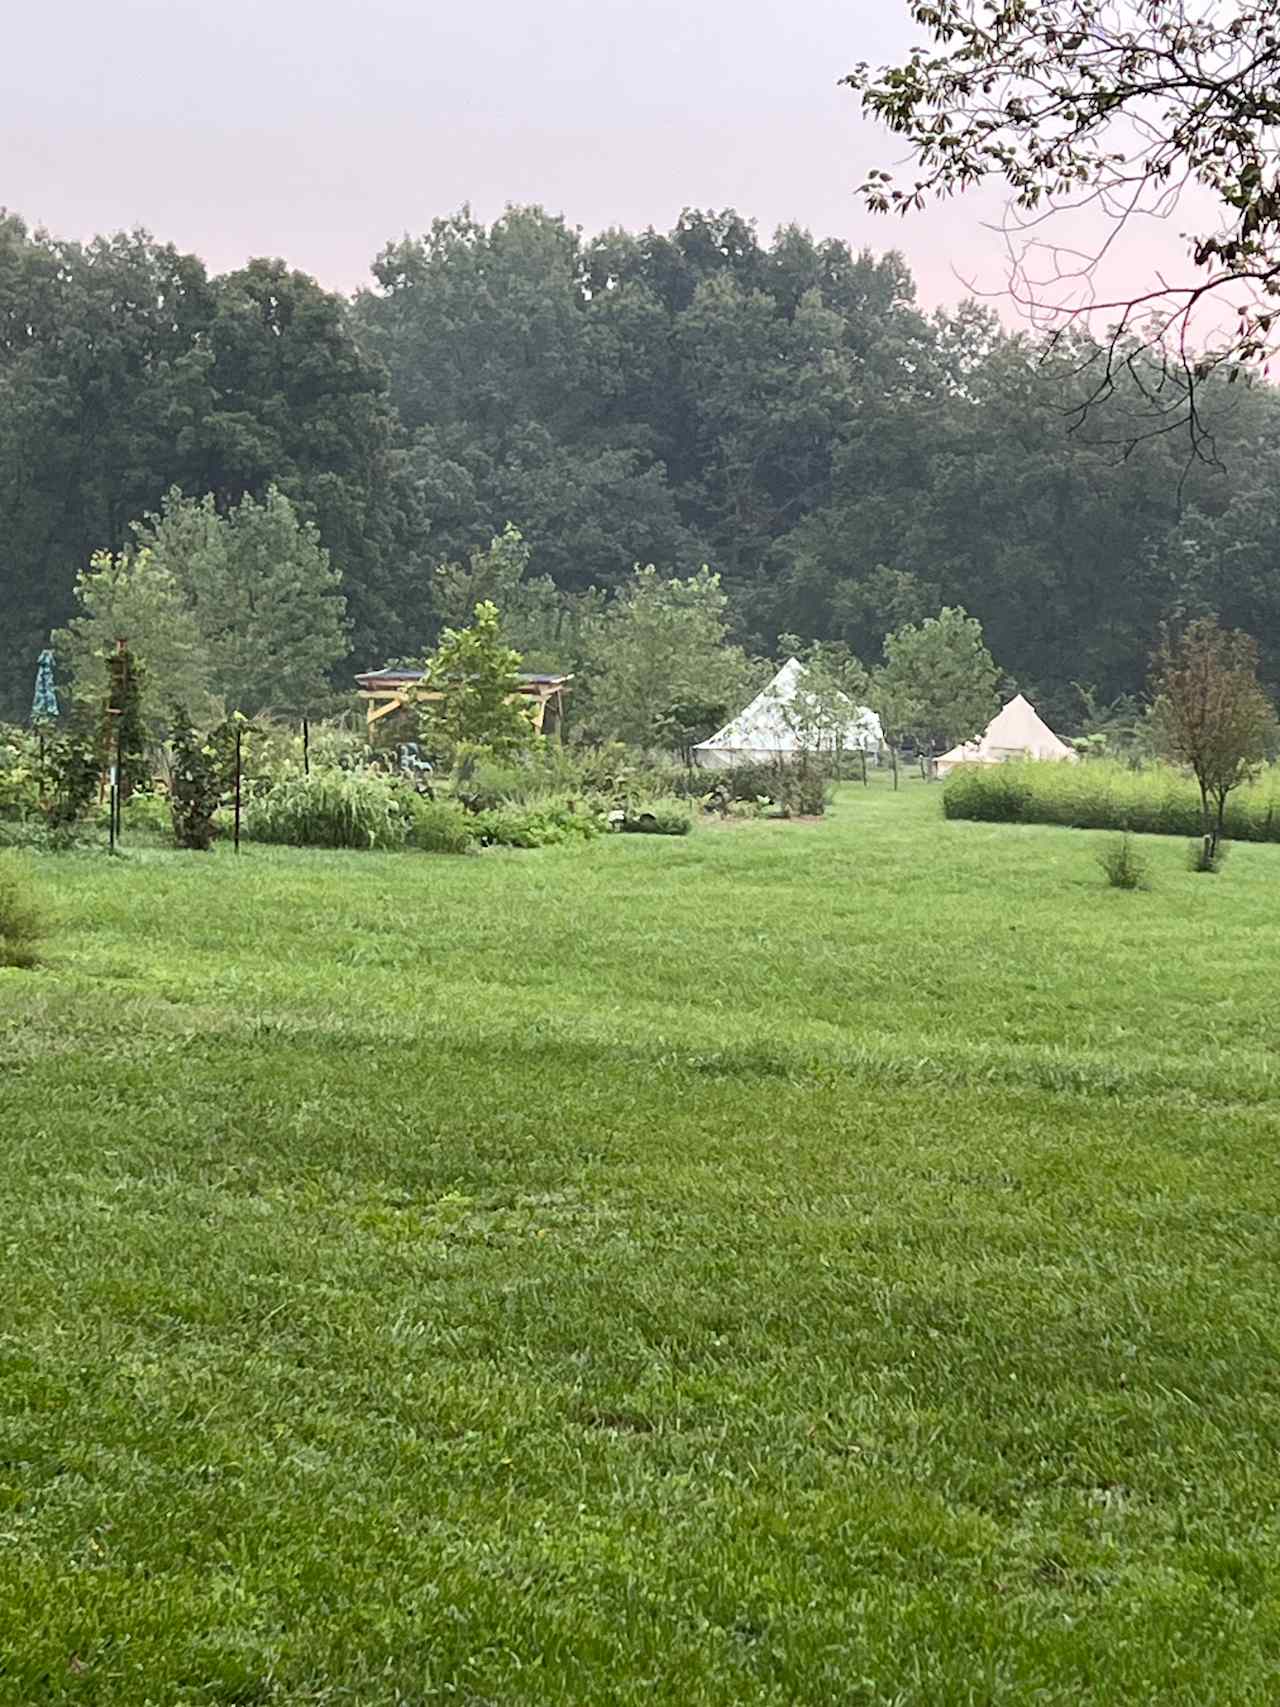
(764, 733)
(1016, 732)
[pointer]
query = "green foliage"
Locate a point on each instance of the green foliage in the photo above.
(798, 788)
(72, 778)
(657, 818)
(138, 594)
(1207, 854)
(19, 774)
(661, 642)
(941, 671)
(1124, 863)
(540, 826)
(122, 733)
(151, 814)
(333, 809)
(1212, 715)
(265, 595)
(240, 608)
(22, 924)
(477, 675)
(686, 722)
(1106, 795)
(200, 772)
(439, 826)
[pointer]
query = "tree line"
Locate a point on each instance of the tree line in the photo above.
(781, 411)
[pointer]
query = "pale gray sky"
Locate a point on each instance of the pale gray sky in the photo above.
(317, 129)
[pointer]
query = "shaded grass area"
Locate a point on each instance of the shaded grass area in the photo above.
(1104, 795)
(797, 1265)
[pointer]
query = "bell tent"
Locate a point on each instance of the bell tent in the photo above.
(766, 732)
(1017, 732)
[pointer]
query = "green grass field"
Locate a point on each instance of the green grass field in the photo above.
(795, 1264)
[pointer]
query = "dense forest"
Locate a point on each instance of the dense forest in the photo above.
(783, 412)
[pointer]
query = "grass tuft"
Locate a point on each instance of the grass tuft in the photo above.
(1124, 863)
(22, 926)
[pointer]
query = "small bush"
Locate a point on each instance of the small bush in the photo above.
(333, 809)
(1205, 855)
(149, 813)
(657, 818)
(72, 777)
(440, 826)
(533, 827)
(1124, 863)
(198, 780)
(800, 789)
(19, 775)
(21, 924)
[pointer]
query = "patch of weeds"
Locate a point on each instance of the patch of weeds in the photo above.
(1124, 863)
(21, 924)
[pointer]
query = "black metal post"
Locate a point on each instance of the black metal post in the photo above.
(239, 736)
(306, 747)
(119, 775)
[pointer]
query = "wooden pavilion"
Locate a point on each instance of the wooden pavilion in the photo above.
(388, 691)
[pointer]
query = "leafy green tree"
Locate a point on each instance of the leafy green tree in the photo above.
(477, 677)
(686, 722)
(659, 642)
(942, 668)
(900, 713)
(1211, 714)
(135, 595)
(829, 694)
(269, 606)
(298, 402)
(239, 609)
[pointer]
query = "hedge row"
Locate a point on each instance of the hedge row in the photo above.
(1096, 795)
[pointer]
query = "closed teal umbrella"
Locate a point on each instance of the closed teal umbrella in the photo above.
(44, 703)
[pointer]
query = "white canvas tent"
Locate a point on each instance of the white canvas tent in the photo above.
(764, 732)
(1017, 732)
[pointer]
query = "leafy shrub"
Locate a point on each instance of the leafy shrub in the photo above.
(1124, 863)
(1206, 854)
(200, 768)
(792, 787)
(150, 813)
(332, 809)
(276, 751)
(657, 818)
(533, 827)
(1104, 795)
(998, 794)
(440, 826)
(19, 775)
(21, 923)
(72, 775)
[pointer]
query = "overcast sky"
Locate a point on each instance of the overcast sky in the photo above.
(318, 129)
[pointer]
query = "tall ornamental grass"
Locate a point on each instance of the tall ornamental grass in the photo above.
(332, 809)
(1098, 795)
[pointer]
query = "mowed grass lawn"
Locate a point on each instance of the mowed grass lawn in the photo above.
(795, 1264)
